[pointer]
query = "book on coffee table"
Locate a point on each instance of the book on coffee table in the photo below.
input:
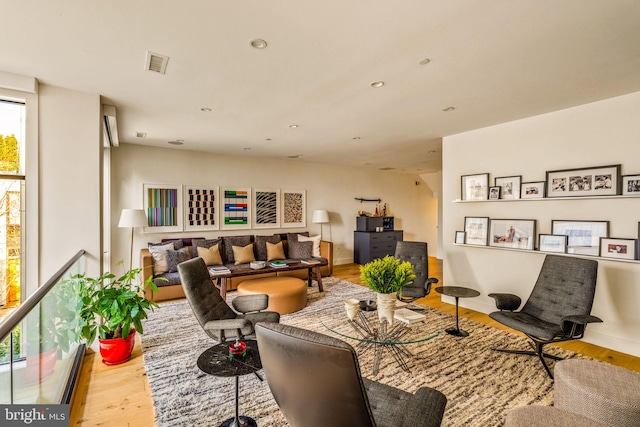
(219, 269)
(310, 261)
(407, 316)
(277, 264)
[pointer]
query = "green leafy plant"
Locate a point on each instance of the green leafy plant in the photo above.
(387, 275)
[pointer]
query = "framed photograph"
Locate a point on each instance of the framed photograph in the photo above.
(476, 230)
(163, 204)
(595, 181)
(236, 208)
(631, 185)
(619, 248)
(294, 213)
(460, 235)
(512, 233)
(532, 190)
(266, 208)
(494, 193)
(553, 243)
(510, 186)
(584, 236)
(200, 208)
(475, 187)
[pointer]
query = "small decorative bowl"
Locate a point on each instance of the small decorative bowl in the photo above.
(257, 265)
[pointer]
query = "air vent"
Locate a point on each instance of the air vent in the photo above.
(156, 62)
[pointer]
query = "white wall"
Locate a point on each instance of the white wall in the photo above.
(596, 134)
(327, 187)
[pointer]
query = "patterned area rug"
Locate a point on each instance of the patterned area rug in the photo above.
(481, 385)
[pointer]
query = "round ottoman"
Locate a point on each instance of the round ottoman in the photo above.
(286, 294)
(605, 393)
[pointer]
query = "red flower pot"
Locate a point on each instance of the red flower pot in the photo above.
(117, 350)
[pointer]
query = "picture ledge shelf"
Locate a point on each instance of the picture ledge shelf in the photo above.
(546, 199)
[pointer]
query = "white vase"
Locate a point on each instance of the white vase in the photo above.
(386, 307)
(352, 305)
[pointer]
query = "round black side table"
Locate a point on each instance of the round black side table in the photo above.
(216, 361)
(457, 292)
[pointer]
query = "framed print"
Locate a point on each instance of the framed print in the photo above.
(200, 208)
(163, 205)
(494, 193)
(553, 243)
(532, 190)
(619, 248)
(512, 233)
(595, 181)
(475, 187)
(510, 186)
(266, 208)
(475, 229)
(294, 212)
(460, 235)
(631, 185)
(235, 208)
(584, 236)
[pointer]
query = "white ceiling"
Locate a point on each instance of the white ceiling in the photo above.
(493, 60)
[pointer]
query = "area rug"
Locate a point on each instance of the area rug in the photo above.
(481, 385)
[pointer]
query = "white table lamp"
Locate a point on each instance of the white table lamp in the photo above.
(320, 216)
(132, 218)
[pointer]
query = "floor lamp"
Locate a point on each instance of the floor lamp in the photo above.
(132, 218)
(320, 216)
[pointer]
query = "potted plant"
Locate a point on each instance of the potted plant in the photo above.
(113, 308)
(387, 277)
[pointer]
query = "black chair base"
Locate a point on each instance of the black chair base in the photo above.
(538, 352)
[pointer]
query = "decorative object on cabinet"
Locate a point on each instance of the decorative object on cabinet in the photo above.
(475, 187)
(510, 186)
(593, 181)
(460, 236)
(200, 208)
(494, 193)
(294, 212)
(163, 204)
(512, 233)
(476, 230)
(553, 243)
(266, 208)
(619, 248)
(532, 190)
(388, 223)
(631, 185)
(236, 209)
(368, 245)
(584, 236)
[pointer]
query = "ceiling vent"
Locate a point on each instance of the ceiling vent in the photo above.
(109, 126)
(156, 62)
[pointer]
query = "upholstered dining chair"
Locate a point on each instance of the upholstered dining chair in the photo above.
(316, 381)
(217, 319)
(417, 254)
(558, 309)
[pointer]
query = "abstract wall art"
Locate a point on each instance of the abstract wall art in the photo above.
(236, 208)
(266, 208)
(200, 208)
(294, 208)
(163, 205)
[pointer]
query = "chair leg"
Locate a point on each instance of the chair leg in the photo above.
(538, 352)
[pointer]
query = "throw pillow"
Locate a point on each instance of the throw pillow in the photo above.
(300, 250)
(315, 240)
(209, 243)
(176, 257)
(177, 243)
(211, 256)
(275, 251)
(159, 254)
(261, 246)
(229, 242)
(294, 236)
(243, 254)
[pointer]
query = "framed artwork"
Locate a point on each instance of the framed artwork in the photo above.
(584, 236)
(494, 193)
(595, 181)
(619, 248)
(512, 233)
(631, 185)
(510, 186)
(200, 208)
(235, 208)
(532, 190)
(460, 237)
(266, 208)
(553, 243)
(294, 208)
(475, 229)
(475, 187)
(163, 205)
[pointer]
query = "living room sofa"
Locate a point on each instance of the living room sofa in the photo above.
(169, 286)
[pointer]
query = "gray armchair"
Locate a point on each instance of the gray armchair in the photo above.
(217, 319)
(558, 309)
(417, 254)
(316, 381)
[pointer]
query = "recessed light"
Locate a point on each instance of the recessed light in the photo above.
(141, 134)
(448, 109)
(377, 84)
(177, 142)
(425, 61)
(293, 126)
(206, 109)
(258, 43)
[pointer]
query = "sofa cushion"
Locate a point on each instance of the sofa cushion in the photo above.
(261, 245)
(204, 243)
(294, 236)
(300, 250)
(243, 254)
(211, 256)
(159, 254)
(177, 243)
(229, 242)
(167, 279)
(314, 239)
(275, 251)
(176, 257)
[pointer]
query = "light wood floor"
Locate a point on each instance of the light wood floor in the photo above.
(120, 395)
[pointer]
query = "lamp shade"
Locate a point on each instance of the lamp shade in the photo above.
(133, 218)
(320, 216)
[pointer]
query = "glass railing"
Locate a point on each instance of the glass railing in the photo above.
(39, 351)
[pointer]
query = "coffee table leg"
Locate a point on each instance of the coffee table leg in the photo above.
(457, 331)
(238, 420)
